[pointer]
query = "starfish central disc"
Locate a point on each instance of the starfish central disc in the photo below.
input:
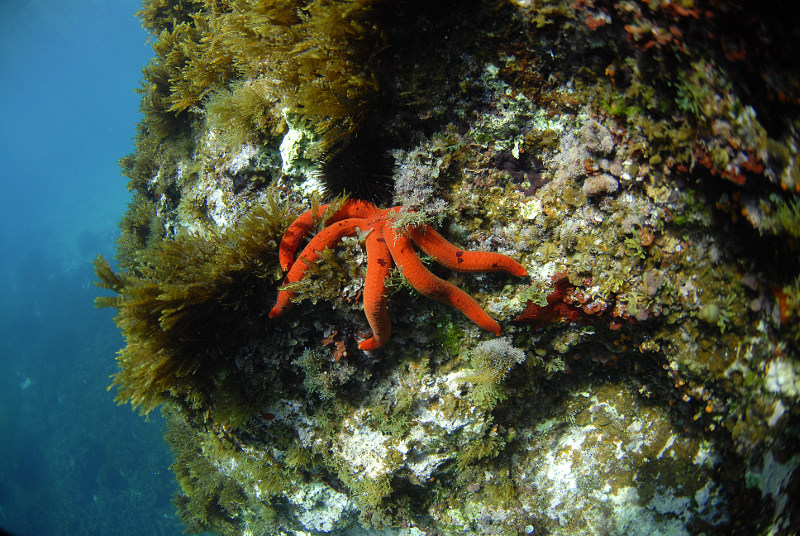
(387, 247)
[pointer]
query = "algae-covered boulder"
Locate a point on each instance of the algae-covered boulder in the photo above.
(637, 159)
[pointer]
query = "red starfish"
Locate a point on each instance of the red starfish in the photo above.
(385, 246)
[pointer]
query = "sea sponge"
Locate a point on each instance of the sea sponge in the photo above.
(602, 184)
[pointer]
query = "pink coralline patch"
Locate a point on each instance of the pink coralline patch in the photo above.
(783, 303)
(568, 303)
(562, 306)
(741, 163)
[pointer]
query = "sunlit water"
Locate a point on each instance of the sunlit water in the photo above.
(72, 461)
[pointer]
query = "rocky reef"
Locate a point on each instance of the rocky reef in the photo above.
(638, 157)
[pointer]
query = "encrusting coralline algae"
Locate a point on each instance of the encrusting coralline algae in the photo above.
(638, 158)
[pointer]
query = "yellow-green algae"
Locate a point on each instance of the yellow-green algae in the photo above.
(665, 415)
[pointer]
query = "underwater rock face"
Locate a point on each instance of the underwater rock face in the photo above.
(639, 159)
(618, 464)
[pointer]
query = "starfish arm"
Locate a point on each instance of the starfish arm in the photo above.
(429, 285)
(379, 264)
(457, 259)
(300, 227)
(295, 234)
(328, 237)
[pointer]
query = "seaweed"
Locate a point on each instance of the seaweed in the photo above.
(184, 299)
(209, 499)
(242, 112)
(493, 361)
(318, 57)
(158, 15)
(488, 446)
(315, 58)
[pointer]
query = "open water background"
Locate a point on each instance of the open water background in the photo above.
(71, 461)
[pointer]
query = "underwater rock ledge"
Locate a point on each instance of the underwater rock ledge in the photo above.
(638, 158)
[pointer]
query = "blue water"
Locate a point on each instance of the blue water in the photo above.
(71, 461)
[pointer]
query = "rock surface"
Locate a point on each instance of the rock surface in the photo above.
(647, 379)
